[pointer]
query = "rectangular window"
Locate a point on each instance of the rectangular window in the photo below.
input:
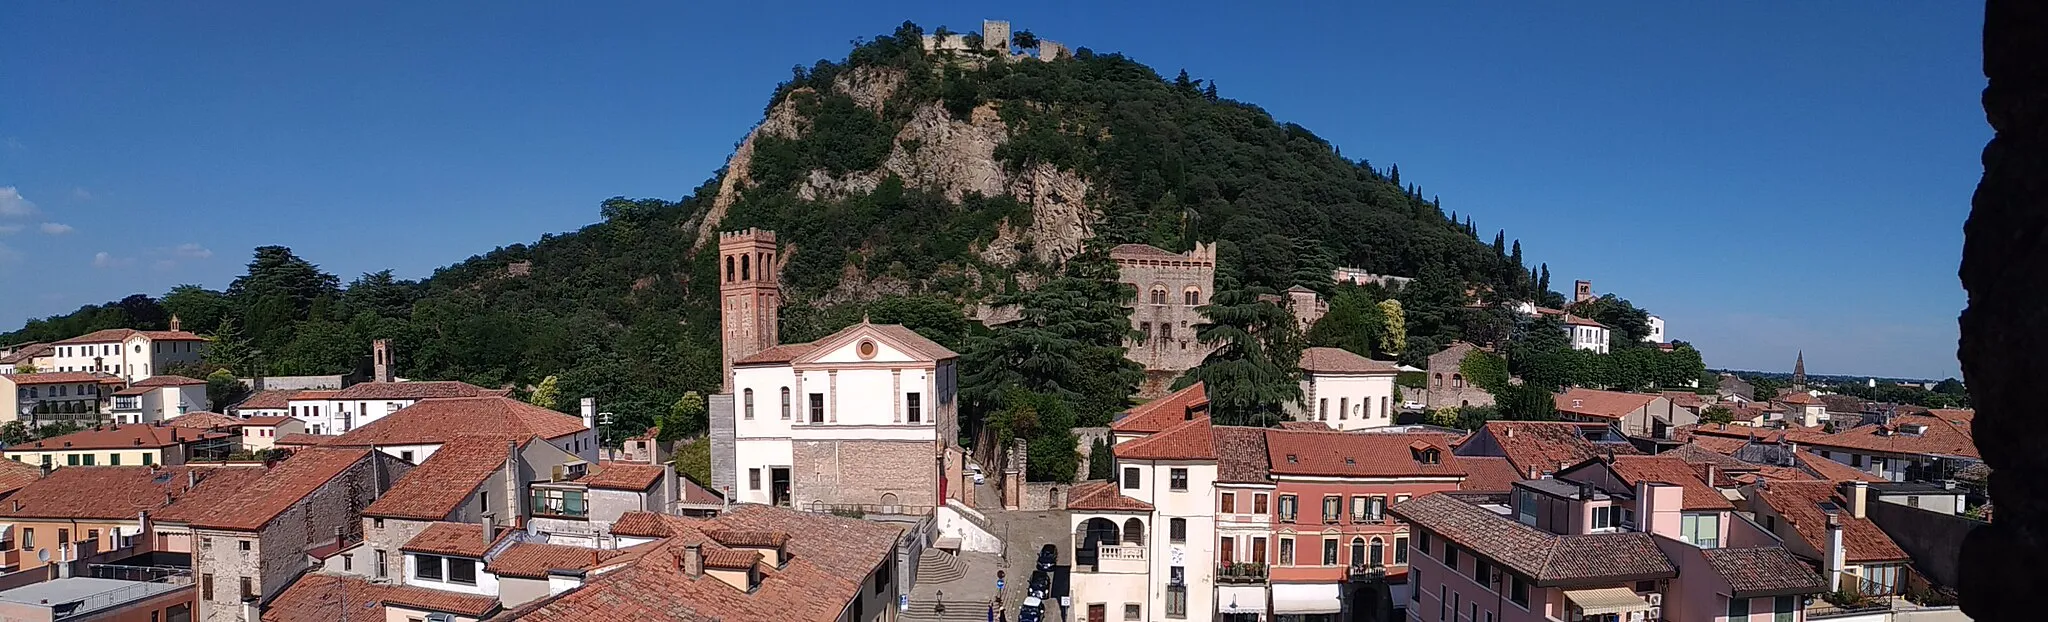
(1400, 550)
(1329, 551)
(91, 459)
(148, 459)
(1177, 601)
(383, 566)
(1480, 572)
(426, 567)
(1603, 517)
(242, 544)
(206, 587)
(248, 588)
(1131, 611)
(1451, 556)
(1783, 610)
(1423, 541)
(1131, 478)
(1226, 503)
(1415, 583)
(1525, 507)
(561, 503)
(115, 460)
(1287, 551)
(1702, 530)
(1259, 503)
(817, 408)
(1177, 529)
(461, 571)
(71, 460)
(1358, 508)
(1738, 610)
(753, 479)
(1178, 479)
(914, 403)
(1287, 508)
(1518, 591)
(1258, 550)
(1333, 507)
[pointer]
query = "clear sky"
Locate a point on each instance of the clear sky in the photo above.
(1768, 177)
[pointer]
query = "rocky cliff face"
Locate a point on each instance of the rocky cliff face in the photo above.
(935, 153)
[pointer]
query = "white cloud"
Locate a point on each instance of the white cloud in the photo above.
(190, 250)
(104, 259)
(57, 228)
(13, 205)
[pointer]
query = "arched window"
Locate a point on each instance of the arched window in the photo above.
(745, 273)
(1193, 296)
(785, 403)
(1159, 294)
(748, 397)
(1358, 551)
(1134, 532)
(1378, 553)
(1439, 381)
(728, 269)
(889, 499)
(1457, 381)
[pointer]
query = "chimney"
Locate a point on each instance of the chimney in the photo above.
(511, 480)
(693, 560)
(380, 361)
(1834, 558)
(174, 323)
(589, 413)
(191, 478)
(1710, 475)
(377, 473)
(1858, 495)
(1585, 491)
(490, 528)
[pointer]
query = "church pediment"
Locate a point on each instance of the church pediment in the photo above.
(866, 343)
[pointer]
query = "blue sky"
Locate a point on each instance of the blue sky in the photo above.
(1767, 177)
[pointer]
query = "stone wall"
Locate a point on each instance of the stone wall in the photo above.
(1042, 496)
(277, 553)
(1444, 380)
(388, 536)
(1161, 312)
(1932, 539)
(722, 410)
(1086, 438)
(850, 472)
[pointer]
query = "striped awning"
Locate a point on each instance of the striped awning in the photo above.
(1606, 600)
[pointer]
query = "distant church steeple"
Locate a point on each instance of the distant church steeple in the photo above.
(1799, 371)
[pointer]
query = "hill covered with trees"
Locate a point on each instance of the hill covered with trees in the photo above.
(926, 189)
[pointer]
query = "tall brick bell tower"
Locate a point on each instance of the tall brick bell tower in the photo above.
(749, 295)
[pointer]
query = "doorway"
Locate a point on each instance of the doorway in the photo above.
(1098, 612)
(778, 486)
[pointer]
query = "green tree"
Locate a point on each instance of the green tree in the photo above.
(1485, 370)
(228, 350)
(15, 433)
(1313, 266)
(1024, 40)
(693, 460)
(1394, 335)
(1525, 402)
(1252, 370)
(1101, 461)
(222, 389)
(548, 394)
(25, 368)
(198, 309)
(1352, 324)
(1067, 343)
(1717, 414)
(688, 416)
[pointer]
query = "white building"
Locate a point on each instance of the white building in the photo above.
(414, 433)
(160, 397)
(29, 355)
(1344, 390)
(1145, 543)
(866, 416)
(129, 354)
(1586, 334)
(1656, 330)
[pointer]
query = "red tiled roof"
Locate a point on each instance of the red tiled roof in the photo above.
(1800, 398)
(434, 421)
(1544, 446)
(414, 390)
(1103, 497)
(117, 492)
(533, 560)
(1305, 426)
(1718, 444)
(313, 395)
(257, 503)
(1579, 321)
(1685, 399)
(1939, 438)
(318, 596)
(777, 355)
(445, 480)
(25, 353)
(1695, 454)
(302, 438)
(1164, 412)
(1340, 454)
(696, 493)
(640, 525)
(1606, 404)
(623, 476)
(166, 381)
(909, 340)
(1799, 504)
(1191, 440)
(62, 377)
(1341, 361)
(269, 421)
(131, 436)
(1488, 474)
(1763, 571)
(16, 475)
(1240, 454)
(1697, 495)
(203, 421)
(272, 399)
(1829, 470)
(1549, 559)
(444, 538)
(122, 334)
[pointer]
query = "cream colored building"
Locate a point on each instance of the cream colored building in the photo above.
(1145, 542)
(1344, 390)
(124, 445)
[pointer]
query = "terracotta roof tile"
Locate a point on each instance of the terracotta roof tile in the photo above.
(1341, 361)
(1685, 399)
(1697, 494)
(418, 390)
(1606, 404)
(1191, 440)
(304, 439)
(314, 395)
(118, 492)
(1764, 571)
(1103, 497)
(640, 525)
(1580, 321)
(1829, 470)
(16, 475)
(1549, 559)
(203, 421)
(26, 353)
(445, 480)
(1799, 398)
(1164, 412)
(1935, 437)
(166, 381)
(696, 493)
(99, 336)
(533, 560)
(131, 436)
(214, 483)
(1488, 474)
(62, 377)
(1542, 446)
(1240, 454)
(1340, 454)
(317, 596)
(777, 355)
(1799, 503)
(444, 538)
(270, 421)
(434, 421)
(1695, 454)
(623, 476)
(272, 399)
(257, 503)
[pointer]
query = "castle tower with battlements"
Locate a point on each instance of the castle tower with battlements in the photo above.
(749, 295)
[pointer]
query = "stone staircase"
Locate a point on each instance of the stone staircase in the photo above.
(936, 566)
(965, 583)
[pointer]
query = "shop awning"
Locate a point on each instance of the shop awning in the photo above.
(1606, 600)
(1298, 598)
(128, 531)
(1241, 599)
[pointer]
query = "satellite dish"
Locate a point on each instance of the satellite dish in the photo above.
(43, 555)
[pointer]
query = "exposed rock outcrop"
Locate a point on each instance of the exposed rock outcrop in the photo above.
(782, 122)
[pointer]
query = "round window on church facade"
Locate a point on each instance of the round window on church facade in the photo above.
(866, 349)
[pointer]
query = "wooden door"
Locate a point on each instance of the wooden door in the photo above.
(1225, 549)
(1098, 612)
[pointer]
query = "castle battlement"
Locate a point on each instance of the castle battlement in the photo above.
(749, 234)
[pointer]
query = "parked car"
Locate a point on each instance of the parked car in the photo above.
(974, 470)
(1048, 556)
(1411, 405)
(1041, 584)
(1032, 611)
